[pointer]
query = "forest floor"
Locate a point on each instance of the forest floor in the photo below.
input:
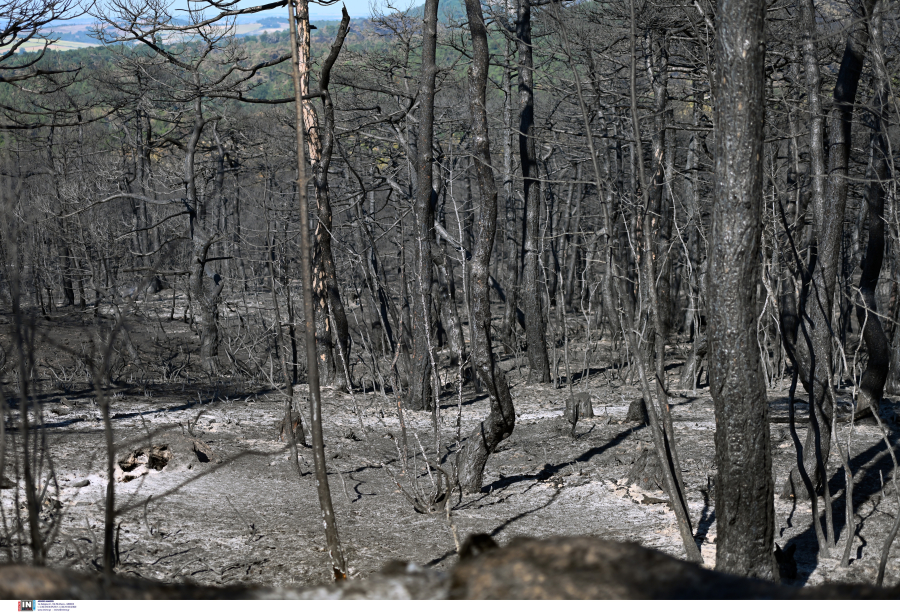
(238, 512)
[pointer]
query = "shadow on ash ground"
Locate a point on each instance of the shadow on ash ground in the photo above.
(245, 516)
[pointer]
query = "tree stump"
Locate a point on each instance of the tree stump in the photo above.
(579, 407)
(296, 428)
(647, 472)
(637, 412)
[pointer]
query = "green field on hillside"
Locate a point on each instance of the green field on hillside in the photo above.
(60, 45)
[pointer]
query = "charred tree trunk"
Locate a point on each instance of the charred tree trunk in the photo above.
(325, 278)
(205, 285)
(333, 344)
(332, 539)
(449, 308)
(828, 203)
(535, 334)
(877, 347)
(206, 289)
(420, 396)
(745, 511)
(658, 70)
(500, 422)
(512, 259)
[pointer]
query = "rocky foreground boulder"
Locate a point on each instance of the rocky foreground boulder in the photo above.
(526, 568)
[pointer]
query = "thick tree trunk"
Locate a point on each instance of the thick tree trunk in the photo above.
(745, 512)
(499, 424)
(531, 294)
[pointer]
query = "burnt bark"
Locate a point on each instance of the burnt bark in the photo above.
(421, 394)
(332, 539)
(333, 344)
(877, 347)
(829, 201)
(205, 286)
(499, 424)
(535, 334)
(329, 304)
(745, 512)
(657, 60)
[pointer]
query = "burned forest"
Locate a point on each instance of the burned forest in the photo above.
(518, 293)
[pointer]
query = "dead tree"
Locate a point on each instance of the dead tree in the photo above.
(745, 511)
(812, 353)
(333, 344)
(500, 422)
(878, 349)
(332, 539)
(421, 393)
(530, 292)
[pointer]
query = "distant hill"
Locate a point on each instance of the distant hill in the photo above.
(448, 10)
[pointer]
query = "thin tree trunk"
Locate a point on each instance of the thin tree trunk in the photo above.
(421, 394)
(500, 422)
(338, 564)
(333, 344)
(657, 60)
(205, 287)
(877, 347)
(535, 334)
(508, 327)
(828, 204)
(625, 318)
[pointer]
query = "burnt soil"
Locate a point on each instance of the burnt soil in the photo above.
(222, 503)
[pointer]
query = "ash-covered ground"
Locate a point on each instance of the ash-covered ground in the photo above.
(226, 504)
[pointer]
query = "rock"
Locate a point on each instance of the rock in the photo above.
(579, 407)
(6, 483)
(476, 544)
(637, 412)
(398, 580)
(52, 502)
(649, 501)
(647, 472)
(591, 568)
(204, 452)
(80, 483)
(27, 582)
(157, 284)
(527, 568)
